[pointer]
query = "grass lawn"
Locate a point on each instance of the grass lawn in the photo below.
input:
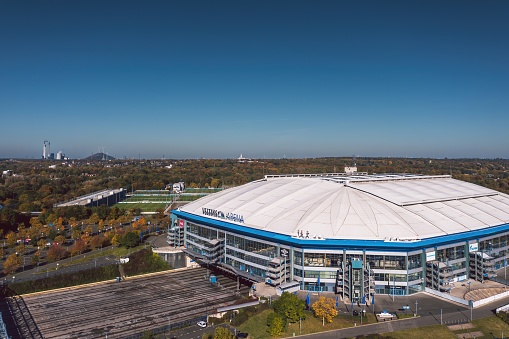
(256, 326)
(428, 332)
(491, 326)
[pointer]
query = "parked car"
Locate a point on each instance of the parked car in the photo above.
(242, 335)
(385, 314)
(202, 324)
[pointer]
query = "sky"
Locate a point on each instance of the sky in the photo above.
(268, 79)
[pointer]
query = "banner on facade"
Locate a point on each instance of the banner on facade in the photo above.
(430, 256)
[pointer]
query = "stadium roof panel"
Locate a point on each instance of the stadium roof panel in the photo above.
(375, 207)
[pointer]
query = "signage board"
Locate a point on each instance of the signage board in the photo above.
(284, 252)
(473, 247)
(430, 256)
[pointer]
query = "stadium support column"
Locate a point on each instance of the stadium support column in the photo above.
(291, 262)
(423, 272)
(406, 275)
(303, 269)
(467, 259)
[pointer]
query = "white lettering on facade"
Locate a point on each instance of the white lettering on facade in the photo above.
(219, 214)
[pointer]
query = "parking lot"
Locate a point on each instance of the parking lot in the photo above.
(121, 309)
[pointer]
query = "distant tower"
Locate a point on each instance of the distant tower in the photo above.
(46, 150)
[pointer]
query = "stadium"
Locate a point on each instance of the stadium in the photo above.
(353, 234)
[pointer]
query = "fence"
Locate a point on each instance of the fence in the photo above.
(490, 299)
(447, 296)
(166, 328)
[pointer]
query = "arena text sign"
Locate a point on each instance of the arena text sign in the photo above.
(219, 214)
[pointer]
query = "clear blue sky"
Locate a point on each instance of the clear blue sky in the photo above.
(213, 79)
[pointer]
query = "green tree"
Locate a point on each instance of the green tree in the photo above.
(289, 307)
(325, 308)
(223, 333)
(275, 324)
(130, 239)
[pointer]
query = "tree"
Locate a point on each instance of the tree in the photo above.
(275, 324)
(325, 308)
(56, 252)
(11, 264)
(96, 241)
(223, 333)
(35, 258)
(60, 239)
(20, 249)
(289, 307)
(130, 239)
(12, 239)
(41, 243)
(100, 225)
(115, 241)
(78, 247)
(94, 218)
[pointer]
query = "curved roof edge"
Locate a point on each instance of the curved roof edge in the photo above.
(395, 246)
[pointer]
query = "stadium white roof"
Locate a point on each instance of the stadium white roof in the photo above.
(391, 207)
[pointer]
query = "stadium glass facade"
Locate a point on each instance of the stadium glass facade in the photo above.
(352, 268)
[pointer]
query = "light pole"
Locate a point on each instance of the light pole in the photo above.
(416, 304)
(57, 266)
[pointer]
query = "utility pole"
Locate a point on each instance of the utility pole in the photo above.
(416, 304)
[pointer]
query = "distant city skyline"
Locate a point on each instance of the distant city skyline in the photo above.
(266, 79)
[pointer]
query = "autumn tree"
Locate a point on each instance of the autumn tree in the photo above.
(35, 258)
(223, 333)
(56, 252)
(41, 243)
(12, 239)
(20, 249)
(100, 225)
(325, 308)
(11, 264)
(78, 247)
(96, 241)
(275, 324)
(35, 222)
(94, 218)
(289, 307)
(115, 241)
(60, 239)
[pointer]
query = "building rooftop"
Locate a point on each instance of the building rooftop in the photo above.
(389, 207)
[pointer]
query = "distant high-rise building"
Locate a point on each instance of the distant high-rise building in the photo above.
(46, 150)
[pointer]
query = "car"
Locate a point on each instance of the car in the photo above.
(385, 314)
(242, 335)
(355, 312)
(202, 324)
